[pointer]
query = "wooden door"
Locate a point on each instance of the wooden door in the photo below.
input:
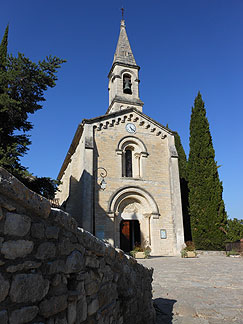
(125, 235)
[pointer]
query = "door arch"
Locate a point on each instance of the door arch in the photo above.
(133, 204)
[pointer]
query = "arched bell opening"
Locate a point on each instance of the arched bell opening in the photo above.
(127, 83)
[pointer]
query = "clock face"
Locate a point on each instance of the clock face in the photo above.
(131, 128)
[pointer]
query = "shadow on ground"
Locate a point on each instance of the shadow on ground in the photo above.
(164, 310)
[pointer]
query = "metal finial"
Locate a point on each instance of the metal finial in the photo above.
(122, 10)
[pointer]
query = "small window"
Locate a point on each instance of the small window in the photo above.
(128, 163)
(127, 84)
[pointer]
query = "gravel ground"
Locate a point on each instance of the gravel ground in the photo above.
(204, 290)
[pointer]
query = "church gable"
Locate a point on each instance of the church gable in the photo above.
(131, 116)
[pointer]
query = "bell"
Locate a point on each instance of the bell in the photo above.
(127, 86)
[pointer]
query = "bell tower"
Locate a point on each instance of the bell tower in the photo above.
(123, 77)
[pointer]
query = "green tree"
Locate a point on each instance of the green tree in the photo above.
(4, 50)
(22, 87)
(234, 230)
(207, 210)
(182, 163)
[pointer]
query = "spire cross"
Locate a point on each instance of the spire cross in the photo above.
(122, 10)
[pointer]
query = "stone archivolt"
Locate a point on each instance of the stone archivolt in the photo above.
(138, 195)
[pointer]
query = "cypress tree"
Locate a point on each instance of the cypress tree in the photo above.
(207, 210)
(4, 50)
(182, 163)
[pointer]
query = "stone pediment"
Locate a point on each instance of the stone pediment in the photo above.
(130, 115)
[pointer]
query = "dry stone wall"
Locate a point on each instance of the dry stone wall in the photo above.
(54, 272)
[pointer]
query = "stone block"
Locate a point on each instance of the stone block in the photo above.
(17, 249)
(23, 315)
(5, 203)
(91, 287)
(1, 242)
(53, 305)
(72, 312)
(61, 320)
(64, 219)
(23, 266)
(82, 310)
(4, 288)
(52, 232)
(72, 237)
(38, 230)
(75, 262)
(15, 190)
(93, 307)
(17, 225)
(65, 247)
(46, 250)
(59, 289)
(56, 280)
(108, 274)
(92, 262)
(80, 289)
(56, 266)
(105, 298)
(4, 317)
(28, 288)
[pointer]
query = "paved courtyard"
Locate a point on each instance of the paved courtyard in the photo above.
(205, 290)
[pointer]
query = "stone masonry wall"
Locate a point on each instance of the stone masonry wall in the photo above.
(56, 273)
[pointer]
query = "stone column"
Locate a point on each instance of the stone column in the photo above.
(147, 217)
(120, 162)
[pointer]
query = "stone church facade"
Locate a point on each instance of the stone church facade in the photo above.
(120, 177)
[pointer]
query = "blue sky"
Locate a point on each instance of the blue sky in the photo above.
(181, 47)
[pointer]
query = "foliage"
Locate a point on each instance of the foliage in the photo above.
(232, 252)
(182, 159)
(234, 230)
(183, 172)
(189, 249)
(183, 253)
(207, 210)
(45, 186)
(22, 87)
(190, 246)
(138, 248)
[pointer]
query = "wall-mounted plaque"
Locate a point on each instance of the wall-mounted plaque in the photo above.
(163, 234)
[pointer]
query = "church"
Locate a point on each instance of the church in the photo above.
(120, 177)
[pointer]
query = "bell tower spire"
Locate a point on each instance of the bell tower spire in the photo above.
(123, 76)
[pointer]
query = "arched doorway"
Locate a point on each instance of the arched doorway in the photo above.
(130, 235)
(132, 209)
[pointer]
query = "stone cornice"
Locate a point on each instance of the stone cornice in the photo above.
(136, 102)
(123, 64)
